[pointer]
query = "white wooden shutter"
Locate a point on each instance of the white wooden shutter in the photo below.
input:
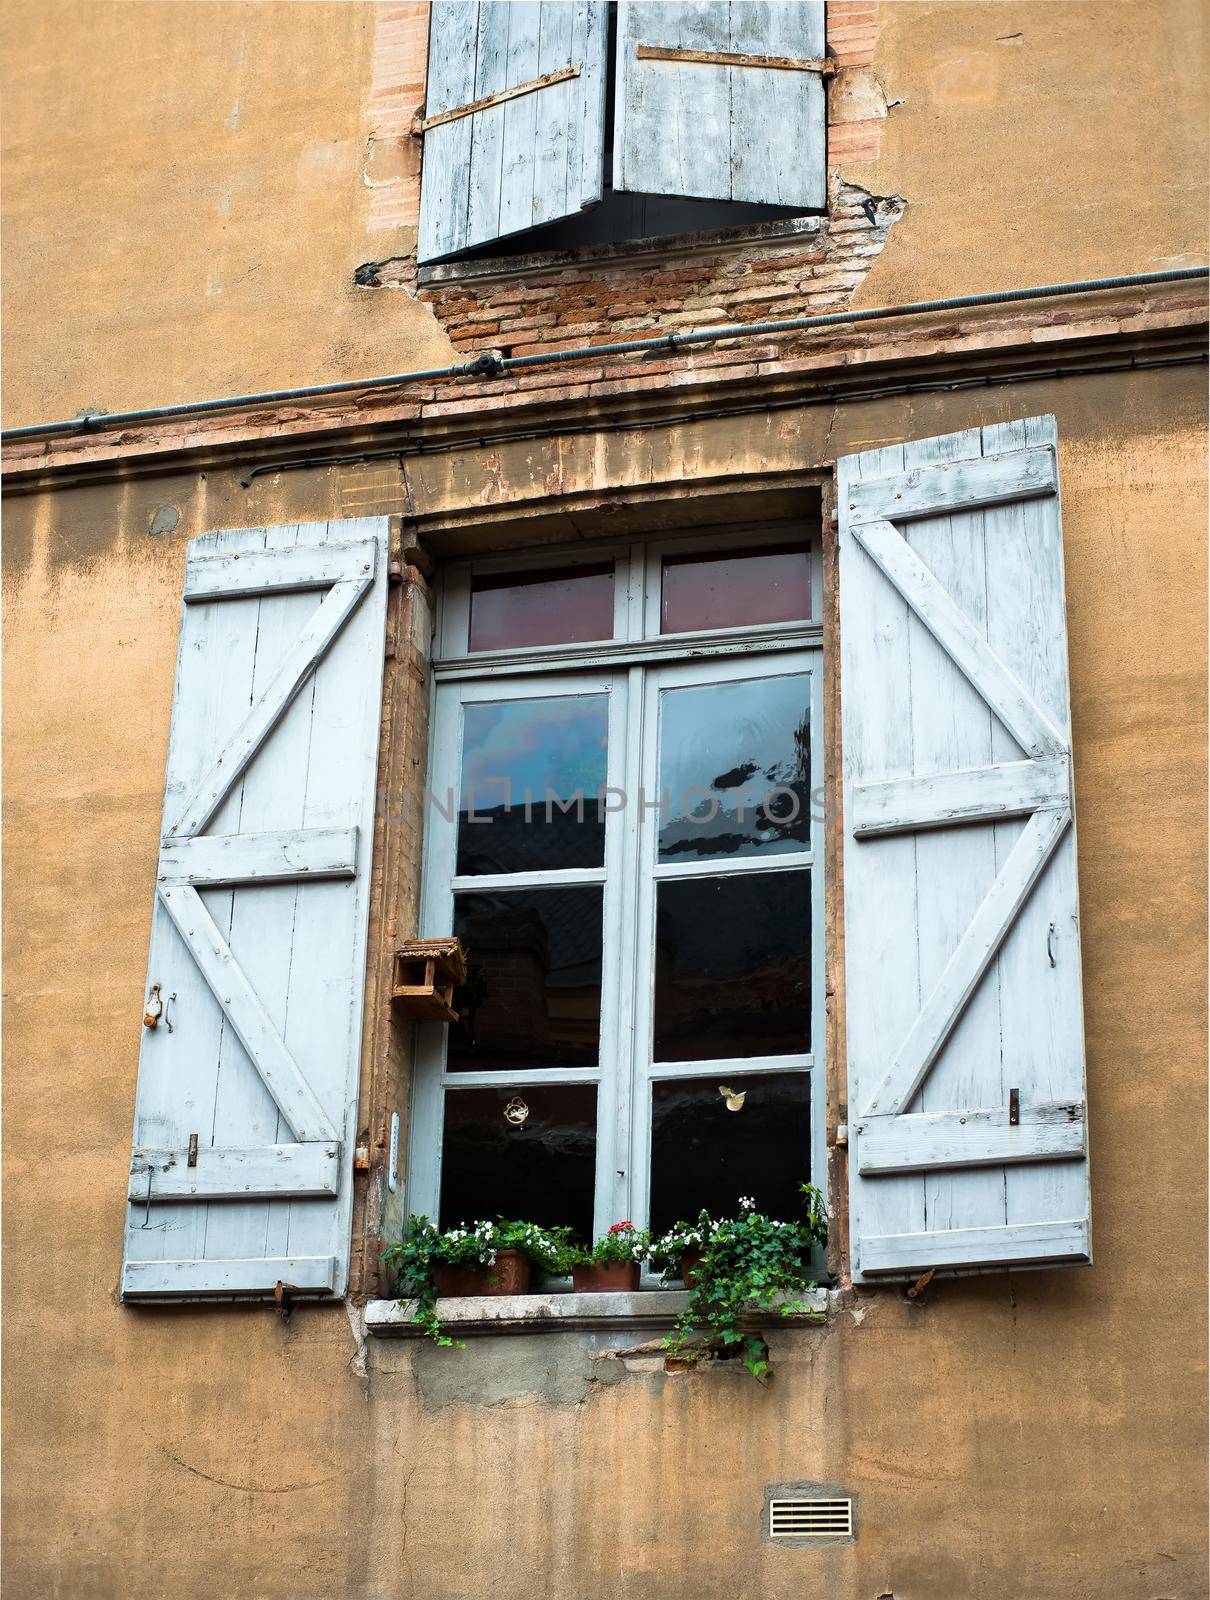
(753, 131)
(241, 1174)
(962, 942)
(536, 153)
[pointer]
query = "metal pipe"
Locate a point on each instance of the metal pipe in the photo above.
(491, 366)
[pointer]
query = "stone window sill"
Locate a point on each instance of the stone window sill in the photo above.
(650, 1309)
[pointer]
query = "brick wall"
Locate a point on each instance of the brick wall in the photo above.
(610, 295)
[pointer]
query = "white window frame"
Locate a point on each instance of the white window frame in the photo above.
(631, 668)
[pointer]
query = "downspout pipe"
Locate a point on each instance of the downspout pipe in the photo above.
(489, 365)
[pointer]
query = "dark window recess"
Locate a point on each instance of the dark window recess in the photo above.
(733, 966)
(624, 218)
(540, 1169)
(532, 996)
(740, 589)
(532, 775)
(735, 766)
(518, 610)
(705, 1155)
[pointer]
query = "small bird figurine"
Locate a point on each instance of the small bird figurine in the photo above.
(735, 1102)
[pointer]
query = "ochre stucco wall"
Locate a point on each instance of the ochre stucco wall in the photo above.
(187, 194)
(1036, 1435)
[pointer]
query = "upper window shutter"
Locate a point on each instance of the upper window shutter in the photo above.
(967, 1145)
(527, 157)
(703, 129)
(241, 1174)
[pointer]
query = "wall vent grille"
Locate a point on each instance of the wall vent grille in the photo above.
(810, 1519)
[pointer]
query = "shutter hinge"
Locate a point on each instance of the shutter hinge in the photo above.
(192, 1150)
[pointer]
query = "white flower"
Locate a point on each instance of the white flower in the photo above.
(746, 1203)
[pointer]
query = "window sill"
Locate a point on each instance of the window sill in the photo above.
(651, 1309)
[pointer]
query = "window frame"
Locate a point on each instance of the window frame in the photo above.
(632, 668)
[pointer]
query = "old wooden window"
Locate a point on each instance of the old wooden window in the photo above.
(625, 835)
(623, 824)
(594, 122)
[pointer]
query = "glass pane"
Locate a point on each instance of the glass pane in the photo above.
(732, 966)
(703, 1153)
(536, 1163)
(735, 769)
(533, 772)
(532, 996)
(734, 590)
(517, 609)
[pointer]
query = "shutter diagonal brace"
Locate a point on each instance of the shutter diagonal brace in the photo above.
(253, 1026)
(330, 617)
(1039, 787)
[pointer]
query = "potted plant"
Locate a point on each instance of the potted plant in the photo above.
(613, 1264)
(734, 1266)
(476, 1258)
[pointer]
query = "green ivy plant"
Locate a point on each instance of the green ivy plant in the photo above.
(424, 1247)
(748, 1263)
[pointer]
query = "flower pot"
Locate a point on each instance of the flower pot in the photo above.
(509, 1275)
(606, 1277)
(691, 1260)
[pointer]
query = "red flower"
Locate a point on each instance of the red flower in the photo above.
(622, 1227)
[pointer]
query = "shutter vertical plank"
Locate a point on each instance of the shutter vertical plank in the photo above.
(789, 165)
(446, 167)
(1006, 1022)
(324, 1014)
(486, 159)
(952, 730)
(520, 119)
(875, 647)
(552, 189)
(1044, 1038)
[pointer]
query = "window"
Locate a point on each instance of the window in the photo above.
(593, 122)
(620, 827)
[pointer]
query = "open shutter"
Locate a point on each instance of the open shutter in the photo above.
(720, 101)
(962, 943)
(241, 1175)
(514, 119)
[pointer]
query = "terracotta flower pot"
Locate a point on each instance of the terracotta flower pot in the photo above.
(509, 1275)
(691, 1260)
(606, 1277)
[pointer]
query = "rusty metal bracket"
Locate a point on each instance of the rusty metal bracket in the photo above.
(734, 58)
(921, 1284)
(421, 124)
(282, 1302)
(1014, 1108)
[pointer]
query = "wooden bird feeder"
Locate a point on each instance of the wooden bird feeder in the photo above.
(424, 976)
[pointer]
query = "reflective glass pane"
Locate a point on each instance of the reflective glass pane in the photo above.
(533, 772)
(732, 966)
(532, 996)
(528, 1154)
(517, 609)
(739, 589)
(735, 769)
(709, 1148)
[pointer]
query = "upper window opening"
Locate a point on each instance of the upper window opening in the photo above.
(603, 122)
(738, 589)
(516, 611)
